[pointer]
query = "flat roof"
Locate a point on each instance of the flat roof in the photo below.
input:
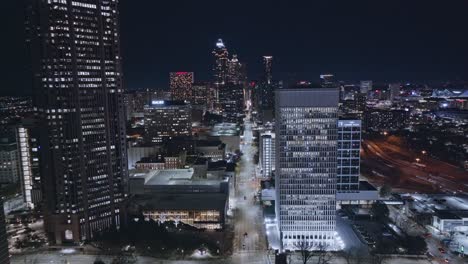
(174, 177)
(186, 201)
(225, 129)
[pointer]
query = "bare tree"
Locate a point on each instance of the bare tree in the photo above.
(305, 250)
(354, 256)
(324, 255)
(348, 255)
(377, 259)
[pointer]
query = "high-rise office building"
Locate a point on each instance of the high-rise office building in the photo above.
(4, 255)
(268, 67)
(181, 85)
(349, 145)
(236, 71)
(394, 91)
(306, 167)
(231, 101)
(134, 102)
(220, 69)
(203, 94)
(265, 92)
(165, 120)
(267, 153)
(327, 80)
(77, 80)
(365, 86)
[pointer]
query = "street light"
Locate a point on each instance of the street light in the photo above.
(423, 152)
(418, 159)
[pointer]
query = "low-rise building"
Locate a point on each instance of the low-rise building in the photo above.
(178, 195)
(206, 211)
(214, 149)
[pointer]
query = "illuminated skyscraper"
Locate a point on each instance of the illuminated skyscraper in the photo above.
(306, 167)
(220, 69)
(327, 80)
(268, 64)
(203, 95)
(236, 71)
(394, 91)
(165, 120)
(181, 85)
(365, 86)
(77, 80)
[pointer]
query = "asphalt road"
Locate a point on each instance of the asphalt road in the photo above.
(249, 232)
(394, 164)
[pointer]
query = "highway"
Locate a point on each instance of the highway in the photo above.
(391, 163)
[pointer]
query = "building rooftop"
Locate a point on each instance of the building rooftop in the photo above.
(174, 177)
(208, 143)
(152, 159)
(186, 201)
(165, 103)
(225, 129)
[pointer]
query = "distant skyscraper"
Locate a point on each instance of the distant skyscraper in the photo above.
(394, 91)
(268, 67)
(167, 119)
(237, 72)
(265, 92)
(4, 255)
(327, 80)
(231, 101)
(203, 94)
(366, 86)
(220, 69)
(77, 79)
(349, 145)
(181, 85)
(306, 167)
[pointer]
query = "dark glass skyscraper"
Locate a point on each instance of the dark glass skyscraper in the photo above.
(220, 69)
(268, 64)
(77, 81)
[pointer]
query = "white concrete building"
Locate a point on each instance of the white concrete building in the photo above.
(267, 153)
(306, 167)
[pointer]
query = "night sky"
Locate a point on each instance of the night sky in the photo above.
(355, 40)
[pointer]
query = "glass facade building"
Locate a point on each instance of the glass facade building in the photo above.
(306, 165)
(165, 120)
(77, 85)
(349, 145)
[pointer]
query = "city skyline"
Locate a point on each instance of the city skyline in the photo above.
(257, 133)
(353, 41)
